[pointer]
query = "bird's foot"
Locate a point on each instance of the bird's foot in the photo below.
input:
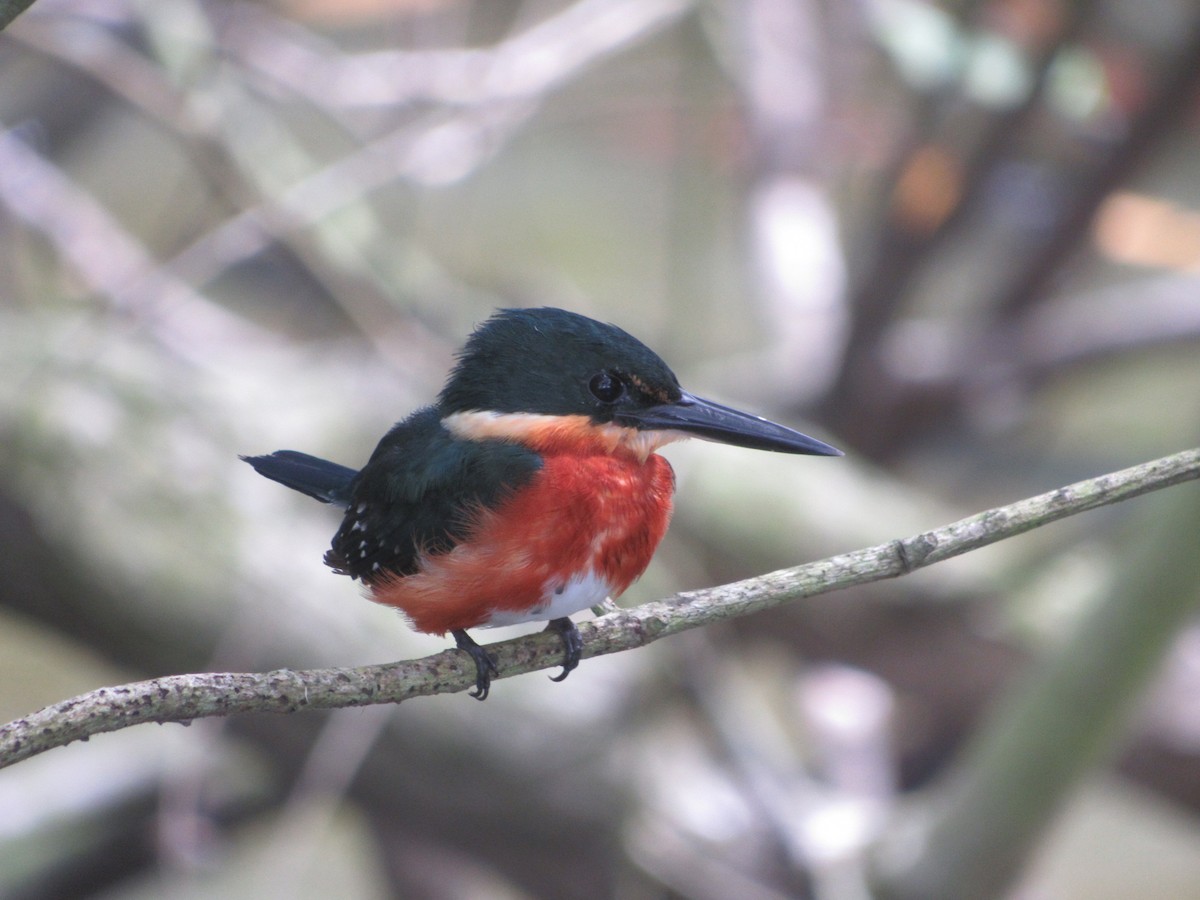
(485, 666)
(572, 642)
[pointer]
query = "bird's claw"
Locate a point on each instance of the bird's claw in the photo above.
(485, 666)
(572, 642)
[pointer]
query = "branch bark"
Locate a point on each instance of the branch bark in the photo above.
(182, 698)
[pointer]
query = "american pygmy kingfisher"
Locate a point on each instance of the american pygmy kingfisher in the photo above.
(530, 490)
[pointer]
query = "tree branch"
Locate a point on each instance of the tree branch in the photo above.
(10, 9)
(970, 835)
(181, 698)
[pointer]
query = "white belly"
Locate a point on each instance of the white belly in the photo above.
(580, 593)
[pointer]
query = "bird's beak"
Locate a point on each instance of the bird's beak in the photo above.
(701, 418)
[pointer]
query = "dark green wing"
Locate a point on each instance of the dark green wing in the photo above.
(418, 494)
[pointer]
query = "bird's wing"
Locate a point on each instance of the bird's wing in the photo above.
(419, 494)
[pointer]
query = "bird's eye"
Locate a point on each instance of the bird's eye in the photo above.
(606, 387)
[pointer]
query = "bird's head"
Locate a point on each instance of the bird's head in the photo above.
(549, 372)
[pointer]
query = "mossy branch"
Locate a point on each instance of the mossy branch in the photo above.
(181, 698)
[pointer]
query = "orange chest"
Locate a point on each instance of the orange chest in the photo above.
(585, 527)
(600, 513)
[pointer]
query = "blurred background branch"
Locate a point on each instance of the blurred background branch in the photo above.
(10, 9)
(1065, 715)
(961, 239)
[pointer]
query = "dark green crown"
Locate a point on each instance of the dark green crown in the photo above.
(555, 362)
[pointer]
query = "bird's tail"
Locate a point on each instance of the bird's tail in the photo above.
(318, 478)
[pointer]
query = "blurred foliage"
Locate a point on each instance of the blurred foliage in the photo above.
(959, 239)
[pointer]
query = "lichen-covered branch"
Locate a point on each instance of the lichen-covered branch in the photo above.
(181, 698)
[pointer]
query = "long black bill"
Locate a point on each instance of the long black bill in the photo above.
(714, 422)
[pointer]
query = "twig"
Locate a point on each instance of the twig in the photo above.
(10, 9)
(969, 835)
(181, 698)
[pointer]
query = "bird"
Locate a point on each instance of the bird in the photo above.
(530, 490)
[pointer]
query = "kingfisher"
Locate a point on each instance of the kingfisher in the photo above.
(531, 488)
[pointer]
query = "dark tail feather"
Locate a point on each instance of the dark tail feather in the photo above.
(319, 478)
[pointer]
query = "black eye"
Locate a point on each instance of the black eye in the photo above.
(606, 387)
